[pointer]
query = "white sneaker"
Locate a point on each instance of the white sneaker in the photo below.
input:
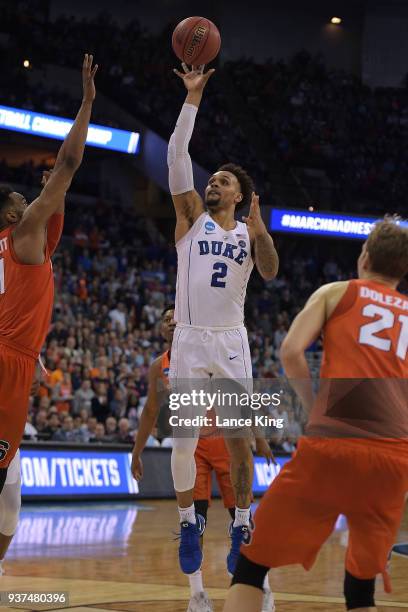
(268, 603)
(200, 603)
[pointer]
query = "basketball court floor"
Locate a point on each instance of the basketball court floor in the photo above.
(123, 556)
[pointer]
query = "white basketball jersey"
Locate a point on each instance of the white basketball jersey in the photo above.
(214, 266)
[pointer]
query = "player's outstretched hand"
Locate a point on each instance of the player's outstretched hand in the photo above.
(88, 75)
(254, 220)
(195, 79)
(137, 467)
(264, 450)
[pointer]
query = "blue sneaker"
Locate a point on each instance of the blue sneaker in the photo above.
(190, 553)
(239, 535)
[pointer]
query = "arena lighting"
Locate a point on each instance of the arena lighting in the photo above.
(50, 126)
(26, 63)
(336, 20)
(322, 224)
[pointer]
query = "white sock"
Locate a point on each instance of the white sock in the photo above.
(1, 567)
(266, 585)
(188, 514)
(196, 582)
(242, 516)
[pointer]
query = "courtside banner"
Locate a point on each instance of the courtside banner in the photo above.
(74, 473)
(265, 474)
(50, 126)
(322, 224)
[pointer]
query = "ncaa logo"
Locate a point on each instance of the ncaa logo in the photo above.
(166, 371)
(242, 244)
(210, 226)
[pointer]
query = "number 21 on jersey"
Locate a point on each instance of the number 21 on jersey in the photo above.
(369, 331)
(2, 285)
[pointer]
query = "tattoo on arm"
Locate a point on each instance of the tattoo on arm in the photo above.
(243, 485)
(266, 256)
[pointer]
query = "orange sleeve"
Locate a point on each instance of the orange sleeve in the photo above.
(54, 231)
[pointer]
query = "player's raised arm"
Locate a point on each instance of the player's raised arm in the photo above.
(187, 202)
(29, 235)
(265, 254)
(147, 420)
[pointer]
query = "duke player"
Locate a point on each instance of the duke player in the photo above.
(216, 255)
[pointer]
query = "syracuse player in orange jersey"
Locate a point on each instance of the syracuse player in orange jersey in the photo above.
(211, 455)
(354, 457)
(26, 278)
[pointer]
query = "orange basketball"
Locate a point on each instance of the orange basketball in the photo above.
(196, 41)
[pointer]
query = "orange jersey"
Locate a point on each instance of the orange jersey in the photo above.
(363, 389)
(54, 231)
(367, 334)
(26, 299)
(165, 367)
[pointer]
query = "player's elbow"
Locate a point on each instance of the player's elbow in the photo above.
(290, 351)
(269, 275)
(72, 163)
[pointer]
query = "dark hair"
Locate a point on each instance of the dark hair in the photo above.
(167, 308)
(387, 247)
(5, 191)
(245, 182)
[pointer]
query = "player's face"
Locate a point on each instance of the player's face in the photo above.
(168, 326)
(16, 211)
(363, 262)
(223, 190)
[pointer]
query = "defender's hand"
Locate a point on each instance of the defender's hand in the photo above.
(137, 467)
(45, 177)
(254, 221)
(264, 450)
(195, 79)
(88, 74)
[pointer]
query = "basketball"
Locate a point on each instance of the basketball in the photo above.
(196, 41)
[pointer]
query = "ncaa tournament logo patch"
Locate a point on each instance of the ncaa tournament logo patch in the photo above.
(242, 244)
(166, 371)
(210, 226)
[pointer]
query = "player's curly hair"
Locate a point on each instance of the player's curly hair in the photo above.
(244, 180)
(167, 308)
(387, 247)
(5, 191)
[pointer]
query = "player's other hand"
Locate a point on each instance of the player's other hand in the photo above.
(45, 177)
(137, 467)
(88, 75)
(264, 450)
(254, 220)
(195, 79)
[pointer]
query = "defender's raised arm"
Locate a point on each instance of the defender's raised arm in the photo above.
(29, 235)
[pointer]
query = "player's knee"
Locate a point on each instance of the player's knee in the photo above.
(250, 573)
(3, 476)
(240, 449)
(358, 593)
(10, 506)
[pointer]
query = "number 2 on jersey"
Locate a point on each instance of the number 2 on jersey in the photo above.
(2, 285)
(221, 272)
(368, 332)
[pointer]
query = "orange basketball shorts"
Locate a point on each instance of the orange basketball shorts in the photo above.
(362, 480)
(16, 377)
(212, 454)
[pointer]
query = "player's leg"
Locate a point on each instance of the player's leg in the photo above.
(234, 378)
(187, 371)
(17, 373)
(300, 503)
(10, 504)
(199, 601)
